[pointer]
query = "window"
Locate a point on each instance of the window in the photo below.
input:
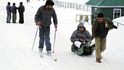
(116, 13)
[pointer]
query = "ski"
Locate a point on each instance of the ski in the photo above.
(48, 56)
(52, 57)
(41, 55)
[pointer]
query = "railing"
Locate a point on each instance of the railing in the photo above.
(72, 5)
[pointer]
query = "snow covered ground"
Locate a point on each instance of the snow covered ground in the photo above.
(16, 44)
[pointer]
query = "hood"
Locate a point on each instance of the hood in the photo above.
(49, 2)
(80, 25)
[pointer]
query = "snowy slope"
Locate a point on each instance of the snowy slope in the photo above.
(16, 44)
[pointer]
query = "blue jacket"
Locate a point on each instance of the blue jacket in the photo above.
(14, 9)
(8, 8)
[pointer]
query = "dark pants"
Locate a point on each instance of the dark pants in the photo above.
(8, 18)
(44, 34)
(14, 18)
(21, 18)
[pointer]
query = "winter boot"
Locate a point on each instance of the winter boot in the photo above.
(49, 52)
(40, 50)
(98, 60)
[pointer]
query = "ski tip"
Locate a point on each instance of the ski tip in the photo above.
(52, 51)
(55, 59)
(41, 55)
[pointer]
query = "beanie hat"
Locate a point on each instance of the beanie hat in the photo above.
(49, 2)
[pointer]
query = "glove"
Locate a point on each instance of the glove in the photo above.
(115, 27)
(77, 44)
(39, 24)
(81, 40)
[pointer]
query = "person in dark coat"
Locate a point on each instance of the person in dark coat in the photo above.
(14, 11)
(8, 8)
(80, 35)
(21, 10)
(43, 20)
(100, 29)
(81, 39)
(28, 1)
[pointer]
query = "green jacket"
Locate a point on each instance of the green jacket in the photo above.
(108, 25)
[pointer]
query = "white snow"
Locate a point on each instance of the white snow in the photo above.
(16, 43)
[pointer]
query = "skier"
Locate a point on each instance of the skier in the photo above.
(8, 8)
(43, 20)
(81, 39)
(100, 29)
(21, 10)
(14, 11)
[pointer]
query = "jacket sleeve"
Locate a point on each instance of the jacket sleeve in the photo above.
(55, 18)
(110, 24)
(23, 9)
(74, 37)
(93, 28)
(37, 15)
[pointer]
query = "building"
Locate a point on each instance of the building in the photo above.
(111, 8)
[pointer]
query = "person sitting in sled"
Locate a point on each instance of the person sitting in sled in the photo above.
(81, 40)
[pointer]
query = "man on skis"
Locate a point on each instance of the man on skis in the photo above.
(43, 20)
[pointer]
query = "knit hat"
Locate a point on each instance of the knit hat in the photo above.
(49, 2)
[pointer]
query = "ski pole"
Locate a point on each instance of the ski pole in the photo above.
(54, 41)
(34, 39)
